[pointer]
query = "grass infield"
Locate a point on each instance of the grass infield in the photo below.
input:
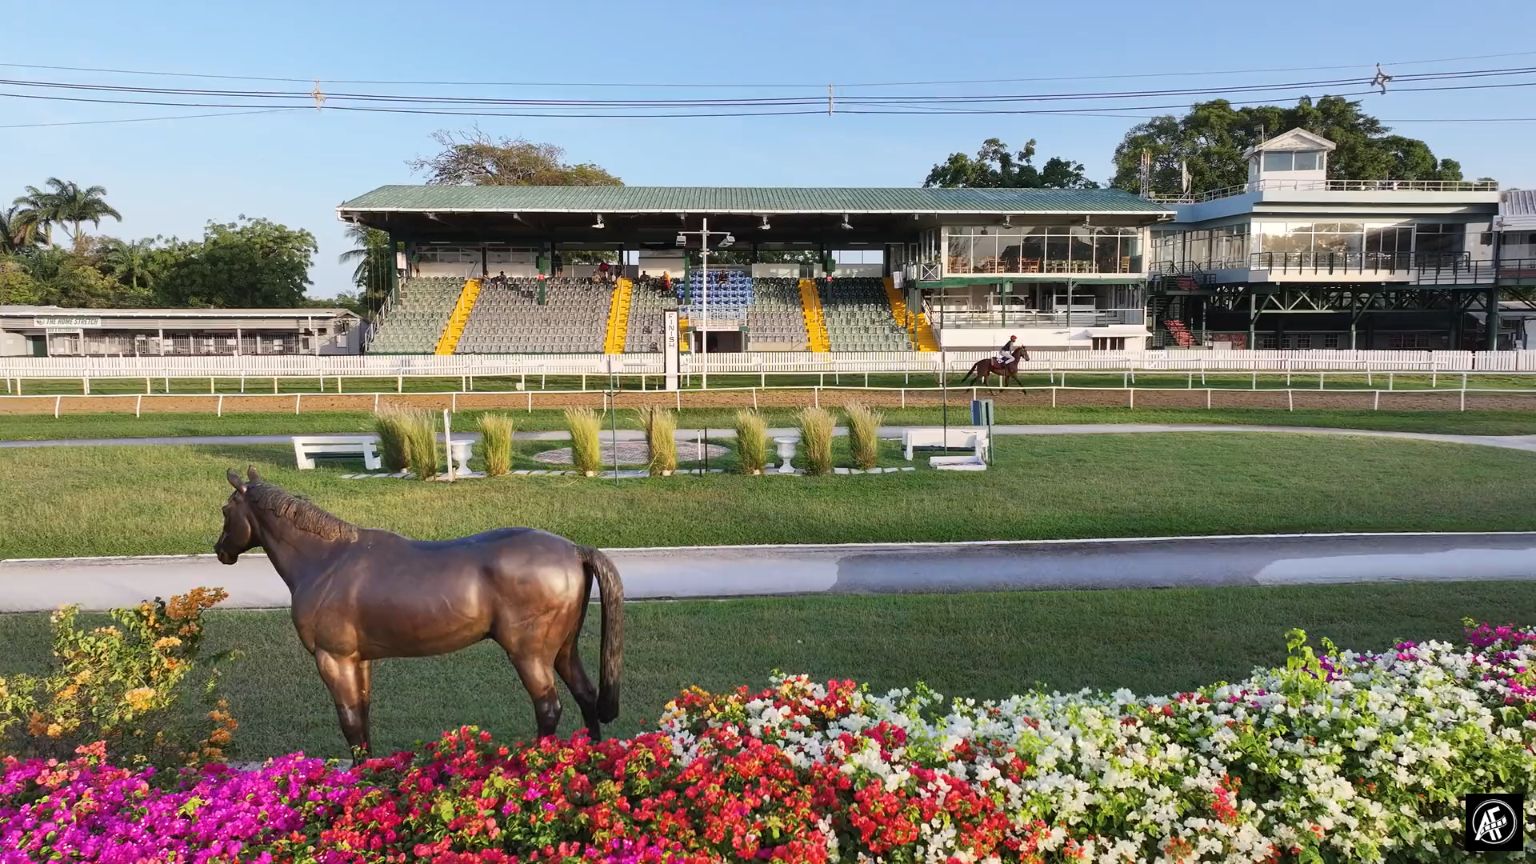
(155, 500)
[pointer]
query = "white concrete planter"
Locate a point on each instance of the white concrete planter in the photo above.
(786, 453)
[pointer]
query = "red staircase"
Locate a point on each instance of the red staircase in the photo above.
(1186, 282)
(1181, 335)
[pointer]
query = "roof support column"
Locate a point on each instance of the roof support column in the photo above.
(1493, 316)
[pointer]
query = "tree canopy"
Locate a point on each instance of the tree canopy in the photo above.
(995, 166)
(476, 159)
(249, 262)
(1210, 139)
(66, 204)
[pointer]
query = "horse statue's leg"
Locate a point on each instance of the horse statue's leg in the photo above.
(349, 680)
(538, 677)
(568, 666)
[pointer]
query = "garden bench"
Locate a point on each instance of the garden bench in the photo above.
(307, 447)
(960, 438)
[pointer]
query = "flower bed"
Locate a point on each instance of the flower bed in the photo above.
(1340, 757)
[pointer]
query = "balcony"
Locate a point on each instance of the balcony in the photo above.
(1274, 185)
(1023, 318)
(1418, 269)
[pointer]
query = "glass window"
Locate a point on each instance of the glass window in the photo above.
(1106, 251)
(1277, 161)
(1032, 251)
(1307, 161)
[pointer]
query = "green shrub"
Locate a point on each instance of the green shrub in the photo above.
(660, 426)
(863, 434)
(419, 429)
(816, 425)
(496, 443)
(388, 422)
(751, 441)
(586, 449)
(127, 685)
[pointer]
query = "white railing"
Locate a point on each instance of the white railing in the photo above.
(1273, 185)
(14, 370)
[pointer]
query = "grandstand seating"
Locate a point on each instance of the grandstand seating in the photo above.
(647, 317)
(508, 319)
(858, 316)
(415, 322)
(775, 317)
(730, 294)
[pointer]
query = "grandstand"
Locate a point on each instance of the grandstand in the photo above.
(536, 316)
(838, 269)
(413, 322)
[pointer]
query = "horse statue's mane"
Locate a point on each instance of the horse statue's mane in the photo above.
(299, 513)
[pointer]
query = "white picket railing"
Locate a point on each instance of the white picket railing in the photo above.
(20, 369)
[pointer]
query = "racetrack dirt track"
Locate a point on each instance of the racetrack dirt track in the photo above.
(1042, 397)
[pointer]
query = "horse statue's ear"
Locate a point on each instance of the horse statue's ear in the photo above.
(250, 472)
(235, 481)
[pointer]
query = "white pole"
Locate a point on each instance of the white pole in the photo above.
(704, 302)
(448, 443)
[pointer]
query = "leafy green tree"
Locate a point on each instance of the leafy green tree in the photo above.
(62, 277)
(1209, 141)
(16, 285)
(995, 166)
(476, 159)
(67, 204)
(246, 263)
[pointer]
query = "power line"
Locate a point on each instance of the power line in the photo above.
(736, 102)
(146, 119)
(742, 85)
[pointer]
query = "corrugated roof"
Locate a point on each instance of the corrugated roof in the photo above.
(747, 199)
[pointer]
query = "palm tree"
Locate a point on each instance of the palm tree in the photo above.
(69, 204)
(128, 262)
(370, 250)
(18, 230)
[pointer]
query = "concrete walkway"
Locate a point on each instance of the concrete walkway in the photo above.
(738, 571)
(1508, 442)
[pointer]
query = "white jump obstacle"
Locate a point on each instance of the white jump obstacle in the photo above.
(307, 447)
(932, 437)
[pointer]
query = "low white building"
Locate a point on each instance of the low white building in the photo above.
(53, 331)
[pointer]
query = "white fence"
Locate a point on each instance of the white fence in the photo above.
(20, 369)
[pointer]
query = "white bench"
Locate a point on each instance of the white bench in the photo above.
(960, 438)
(307, 447)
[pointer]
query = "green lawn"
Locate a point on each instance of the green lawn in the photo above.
(140, 500)
(982, 645)
(17, 427)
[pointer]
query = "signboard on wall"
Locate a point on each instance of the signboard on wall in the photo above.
(669, 348)
(65, 322)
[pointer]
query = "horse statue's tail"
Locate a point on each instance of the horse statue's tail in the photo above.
(600, 566)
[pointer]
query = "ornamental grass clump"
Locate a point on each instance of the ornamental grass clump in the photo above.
(134, 685)
(816, 426)
(388, 422)
(751, 442)
(660, 426)
(418, 429)
(496, 443)
(586, 449)
(863, 434)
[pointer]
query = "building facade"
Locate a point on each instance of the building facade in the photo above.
(52, 331)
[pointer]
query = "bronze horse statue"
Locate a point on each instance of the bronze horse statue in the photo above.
(986, 367)
(360, 595)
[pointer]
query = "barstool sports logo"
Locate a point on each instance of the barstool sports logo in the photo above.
(1494, 823)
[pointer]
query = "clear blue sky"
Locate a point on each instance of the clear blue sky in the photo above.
(170, 177)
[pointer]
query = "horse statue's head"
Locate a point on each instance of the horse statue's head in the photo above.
(239, 534)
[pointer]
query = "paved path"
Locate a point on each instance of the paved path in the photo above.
(1509, 442)
(734, 571)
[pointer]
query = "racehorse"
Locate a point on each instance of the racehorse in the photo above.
(988, 366)
(360, 595)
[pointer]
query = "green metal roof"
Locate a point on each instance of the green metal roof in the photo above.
(746, 199)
